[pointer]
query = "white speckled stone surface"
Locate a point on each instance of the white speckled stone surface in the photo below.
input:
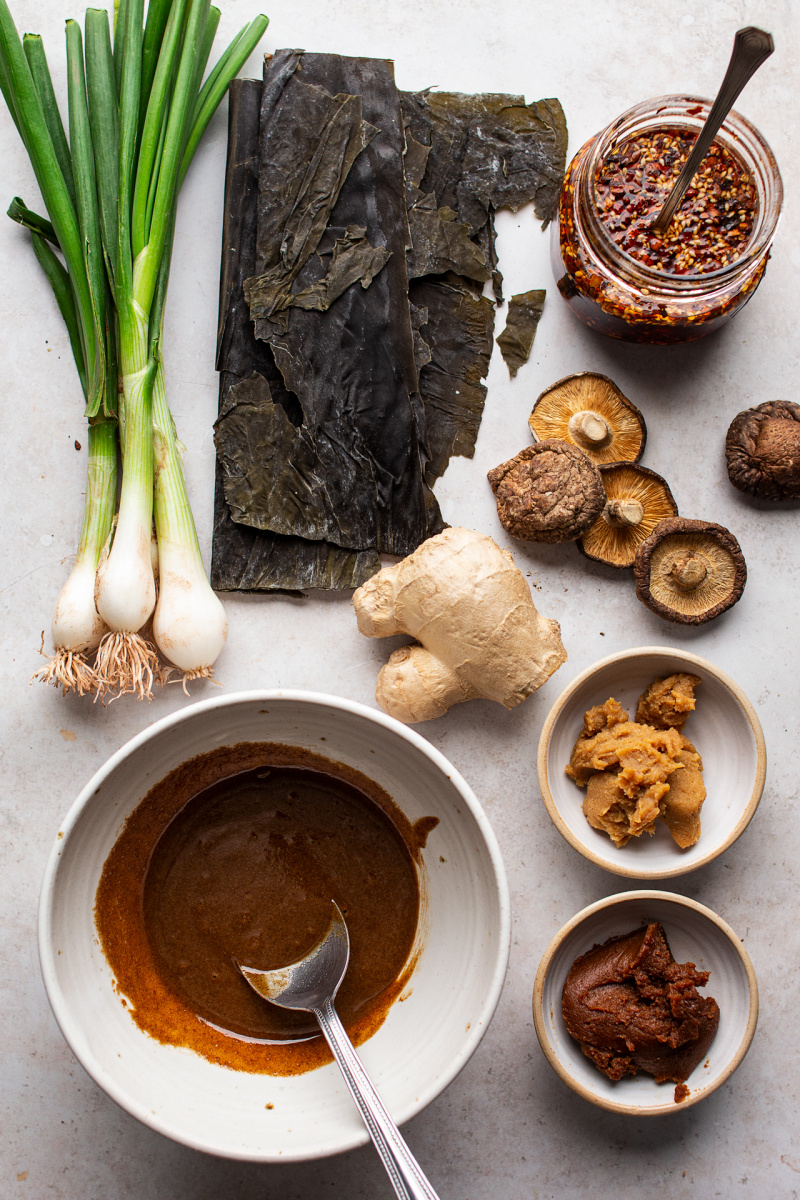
(507, 1129)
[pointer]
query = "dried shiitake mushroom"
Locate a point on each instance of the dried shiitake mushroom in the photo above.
(637, 500)
(549, 492)
(762, 450)
(590, 411)
(689, 571)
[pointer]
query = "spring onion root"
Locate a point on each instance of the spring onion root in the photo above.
(128, 662)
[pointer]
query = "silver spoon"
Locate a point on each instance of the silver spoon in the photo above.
(751, 47)
(311, 985)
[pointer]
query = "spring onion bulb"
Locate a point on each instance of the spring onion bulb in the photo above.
(77, 626)
(189, 625)
(125, 592)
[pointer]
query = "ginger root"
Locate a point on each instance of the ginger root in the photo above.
(470, 607)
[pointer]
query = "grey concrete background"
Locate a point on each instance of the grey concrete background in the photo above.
(507, 1128)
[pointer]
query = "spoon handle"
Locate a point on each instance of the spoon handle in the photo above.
(406, 1175)
(751, 47)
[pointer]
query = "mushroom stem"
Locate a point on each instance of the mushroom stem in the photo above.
(589, 428)
(689, 572)
(623, 512)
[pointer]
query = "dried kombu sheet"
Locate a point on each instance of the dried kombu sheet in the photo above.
(524, 314)
(351, 471)
(326, 133)
(439, 242)
(244, 558)
(487, 240)
(456, 327)
(490, 151)
(483, 153)
(338, 417)
(236, 352)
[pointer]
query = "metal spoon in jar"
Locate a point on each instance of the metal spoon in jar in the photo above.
(311, 985)
(751, 47)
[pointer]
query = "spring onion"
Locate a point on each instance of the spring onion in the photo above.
(137, 112)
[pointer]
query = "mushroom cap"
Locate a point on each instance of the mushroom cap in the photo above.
(549, 492)
(689, 571)
(762, 450)
(590, 411)
(637, 500)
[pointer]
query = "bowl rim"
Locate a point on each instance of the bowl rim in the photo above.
(541, 1025)
(69, 1024)
(684, 656)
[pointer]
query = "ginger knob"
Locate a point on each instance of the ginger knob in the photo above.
(477, 629)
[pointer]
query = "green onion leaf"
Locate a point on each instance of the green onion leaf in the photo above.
(19, 212)
(37, 61)
(88, 216)
(36, 137)
(154, 130)
(157, 15)
(129, 76)
(62, 290)
(168, 182)
(229, 65)
(209, 33)
(102, 92)
(120, 29)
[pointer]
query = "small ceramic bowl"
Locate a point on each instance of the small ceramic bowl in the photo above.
(723, 728)
(695, 934)
(427, 1036)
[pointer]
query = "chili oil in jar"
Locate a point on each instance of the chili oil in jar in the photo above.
(617, 276)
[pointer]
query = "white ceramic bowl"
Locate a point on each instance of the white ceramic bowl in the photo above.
(425, 1040)
(724, 729)
(695, 934)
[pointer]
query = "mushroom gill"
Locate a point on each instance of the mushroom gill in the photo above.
(690, 571)
(591, 412)
(637, 500)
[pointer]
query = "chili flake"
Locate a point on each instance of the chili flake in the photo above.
(713, 222)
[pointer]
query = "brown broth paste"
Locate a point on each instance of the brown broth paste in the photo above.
(238, 853)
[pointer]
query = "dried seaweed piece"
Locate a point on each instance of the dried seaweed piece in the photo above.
(453, 395)
(270, 468)
(440, 243)
(484, 153)
(457, 331)
(422, 351)
(310, 126)
(524, 314)
(361, 441)
(236, 351)
(489, 152)
(242, 558)
(487, 240)
(353, 260)
(246, 560)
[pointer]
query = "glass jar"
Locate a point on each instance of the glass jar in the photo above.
(617, 294)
